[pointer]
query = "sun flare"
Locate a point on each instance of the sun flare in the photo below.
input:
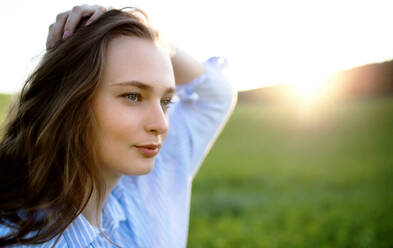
(309, 90)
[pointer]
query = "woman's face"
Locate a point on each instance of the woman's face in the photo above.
(131, 104)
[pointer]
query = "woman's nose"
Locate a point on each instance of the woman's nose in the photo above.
(157, 120)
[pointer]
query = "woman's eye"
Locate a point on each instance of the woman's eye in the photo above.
(133, 97)
(165, 103)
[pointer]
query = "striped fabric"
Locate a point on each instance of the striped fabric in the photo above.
(153, 210)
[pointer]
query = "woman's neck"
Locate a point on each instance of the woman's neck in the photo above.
(93, 210)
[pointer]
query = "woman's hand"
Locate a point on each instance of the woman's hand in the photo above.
(66, 22)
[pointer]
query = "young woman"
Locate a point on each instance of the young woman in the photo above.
(87, 157)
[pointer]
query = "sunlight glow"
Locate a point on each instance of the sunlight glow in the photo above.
(308, 91)
(266, 42)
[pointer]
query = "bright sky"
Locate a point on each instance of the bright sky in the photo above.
(265, 42)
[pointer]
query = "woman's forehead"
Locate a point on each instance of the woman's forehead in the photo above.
(134, 59)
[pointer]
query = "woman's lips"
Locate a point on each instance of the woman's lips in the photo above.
(148, 150)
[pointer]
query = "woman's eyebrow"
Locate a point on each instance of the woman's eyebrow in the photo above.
(143, 86)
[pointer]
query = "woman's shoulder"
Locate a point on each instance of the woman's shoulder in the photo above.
(61, 242)
(4, 230)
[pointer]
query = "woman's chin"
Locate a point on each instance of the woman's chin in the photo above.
(140, 170)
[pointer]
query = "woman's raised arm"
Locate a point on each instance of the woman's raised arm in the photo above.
(185, 67)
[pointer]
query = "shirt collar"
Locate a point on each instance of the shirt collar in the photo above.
(113, 212)
(80, 233)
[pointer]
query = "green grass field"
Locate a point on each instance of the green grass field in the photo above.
(4, 103)
(276, 178)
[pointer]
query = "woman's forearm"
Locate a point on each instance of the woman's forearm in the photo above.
(185, 67)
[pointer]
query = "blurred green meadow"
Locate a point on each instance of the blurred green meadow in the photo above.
(280, 177)
(4, 104)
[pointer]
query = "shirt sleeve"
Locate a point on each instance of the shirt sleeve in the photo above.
(200, 112)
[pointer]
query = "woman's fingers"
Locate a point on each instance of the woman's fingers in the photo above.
(48, 39)
(56, 30)
(99, 11)
(77, 13)
(66, 22)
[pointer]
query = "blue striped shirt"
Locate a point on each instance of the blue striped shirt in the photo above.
(153, 210)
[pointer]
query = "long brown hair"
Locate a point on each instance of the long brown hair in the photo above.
(47, 162)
